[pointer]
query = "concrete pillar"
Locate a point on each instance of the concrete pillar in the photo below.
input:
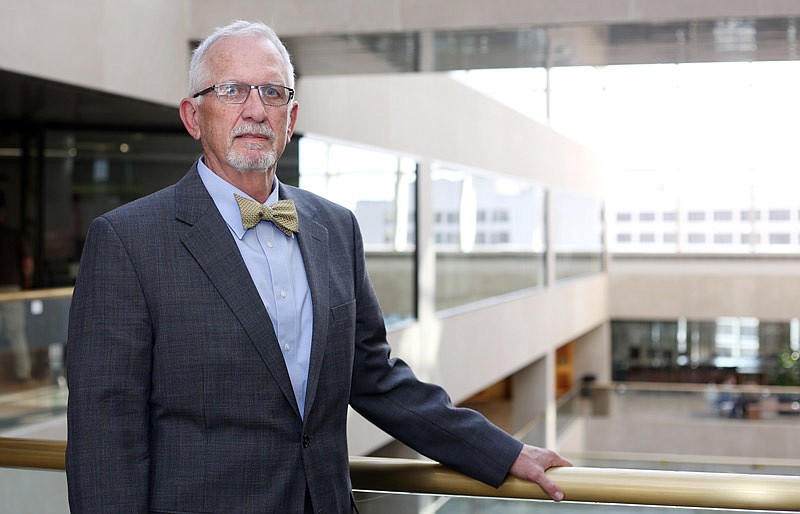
(534, 397)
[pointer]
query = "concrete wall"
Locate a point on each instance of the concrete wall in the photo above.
(435, 117)
(704, 288)
(137, 48)
(360, 16)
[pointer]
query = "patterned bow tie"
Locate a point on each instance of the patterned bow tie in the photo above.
(283, 214)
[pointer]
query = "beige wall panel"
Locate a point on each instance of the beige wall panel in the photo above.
(137, 48)
(290, 17)
(705, 289)
(436, 117)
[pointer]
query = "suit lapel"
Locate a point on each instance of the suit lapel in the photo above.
(210, 242)
(313, 240)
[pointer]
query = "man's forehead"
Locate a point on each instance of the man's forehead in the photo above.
(238, 54)
(241, 45)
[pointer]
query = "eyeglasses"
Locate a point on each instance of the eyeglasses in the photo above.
(237, 93)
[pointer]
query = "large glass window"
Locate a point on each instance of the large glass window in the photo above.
(577, 234)
(88, 173)
(700, 350)
(489, 233)
(380, 188)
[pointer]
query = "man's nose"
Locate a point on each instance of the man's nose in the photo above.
(253, 108)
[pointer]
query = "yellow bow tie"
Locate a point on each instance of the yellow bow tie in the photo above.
(283, 214)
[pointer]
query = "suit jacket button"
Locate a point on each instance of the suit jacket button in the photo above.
(306, 441)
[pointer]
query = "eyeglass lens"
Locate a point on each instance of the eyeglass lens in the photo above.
(236, 93)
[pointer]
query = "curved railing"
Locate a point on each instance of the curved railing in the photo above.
(670, 488)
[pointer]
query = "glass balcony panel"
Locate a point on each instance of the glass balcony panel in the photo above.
(465, 278)
(379, 187)
(577, 264)
(33, 335)
(703, 465)
(33, 491)
(489, 231)
(535, 433)
(405, 503)
(704, 402)
(568, 411)
(692, 427)
(577, 232)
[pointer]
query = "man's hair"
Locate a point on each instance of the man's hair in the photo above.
(198, 69)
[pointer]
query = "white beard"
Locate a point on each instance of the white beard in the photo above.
(259, 163)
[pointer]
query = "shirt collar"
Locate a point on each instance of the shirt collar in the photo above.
(222, 192)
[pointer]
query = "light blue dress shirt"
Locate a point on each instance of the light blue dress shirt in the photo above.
(276, 267)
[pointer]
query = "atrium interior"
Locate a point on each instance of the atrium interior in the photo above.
(579, 220)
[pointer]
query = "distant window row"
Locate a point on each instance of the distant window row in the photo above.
(481, 216)
(671, 216)
(782, 238)
(481, 238)
(700, 216)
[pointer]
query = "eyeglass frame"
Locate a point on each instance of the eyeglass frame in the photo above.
(250, 88)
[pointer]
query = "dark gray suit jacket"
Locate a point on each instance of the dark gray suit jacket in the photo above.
(179, 397)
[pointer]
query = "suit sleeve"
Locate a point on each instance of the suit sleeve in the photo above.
(387, 393)
(109, 360)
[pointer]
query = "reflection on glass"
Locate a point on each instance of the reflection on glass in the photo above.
(380, 188)
(568, 411)
(577, 234)
(489, 233)
(89, 173)
(383, 502)
(33, 334)
(33, 490)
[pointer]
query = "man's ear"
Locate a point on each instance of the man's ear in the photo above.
(189, 113)
(291, 121)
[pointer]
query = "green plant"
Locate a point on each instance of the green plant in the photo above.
(787, 369)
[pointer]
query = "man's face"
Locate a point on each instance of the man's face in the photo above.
(248, 137)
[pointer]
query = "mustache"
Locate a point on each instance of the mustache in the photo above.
(252, 128)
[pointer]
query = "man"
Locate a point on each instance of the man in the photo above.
(211, 364)
(16, 273)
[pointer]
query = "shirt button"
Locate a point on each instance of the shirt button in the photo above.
(269, 244)
(287, 347)
(283, 294)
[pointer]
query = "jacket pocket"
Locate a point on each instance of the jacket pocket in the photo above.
(344, 313)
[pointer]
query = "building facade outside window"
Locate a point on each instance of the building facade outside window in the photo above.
(498, 244)
(379, 187)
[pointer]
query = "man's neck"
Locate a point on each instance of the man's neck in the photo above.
(257, 184)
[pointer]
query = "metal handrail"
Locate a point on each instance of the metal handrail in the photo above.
(36, 294)
(642, 487)
(32, 453)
